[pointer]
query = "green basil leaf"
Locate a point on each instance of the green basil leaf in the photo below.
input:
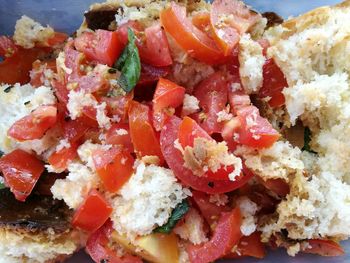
(2, 186)
(129, 64)
(179, 211)
(307, 140)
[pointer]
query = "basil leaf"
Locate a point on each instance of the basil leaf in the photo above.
(179, 211)
(307, 140)
(2, 186)
(129, 64)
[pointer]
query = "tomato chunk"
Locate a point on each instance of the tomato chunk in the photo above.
(255, 130)
(249, 246)
(167, 95)
(98, 249)
(60, 159)
(21, 172)
(34, 125)
(143, 136)
(7, 47)
(195, 42)
(189, 130)
(230, 19)
(114, 167)
(101, 46)
(273, 84)
(226, 235)
(325, 248)
(93, 213)
(119, 134)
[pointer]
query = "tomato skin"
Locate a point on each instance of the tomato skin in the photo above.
(190, 38)
(212, 94)
(230, 129)
(259, 134)
(189, 130)
(273, 84)
(142, 134)
(167, 95)
(114, 167)
(97, 247)
(60, 160)
(238, 20)
(102, 46)
(74, 130)
(7, 47)
(151, 74)
(21, 172)
(93, 213)
(175, 161)
(325, 248)
(238, 99)
(249, 246)
(119, 134)
(57, 39)
(34, 125)
(226, 235)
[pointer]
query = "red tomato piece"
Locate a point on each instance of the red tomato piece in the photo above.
(167, 95)
(189, 37)
(230, 19)
(211, 212)
(101, 46)
(189, 130)
(202, 21)
(93, 213)
(21, 172)
(119, 134)
(61, 91)
(74, 130)
(255, 130)
(278, 186)
(98, 249)
(249, 246)
(226, 235)
(238, 99)
(151, 74)
(273, 84)
(118, 105)
(37, 75)
(325, 248)
(212, 94)
(175, 161)
(143, 136)
(60, 160)
(34, 125)
(7, 47)
(57, 39)
(114, 167)
(229, 131)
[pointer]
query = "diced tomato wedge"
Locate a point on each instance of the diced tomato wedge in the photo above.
(211, 212)
(226, 235)
(167, 95)
(60, 159)
(212, 94)
(202, 21)
(255, 130)
(21, 172)
(325, 248)
(93, 213)
(190, 38)
(151, 74)
(118, 106)
(238, 99)
(114, 167)
(249, 246)
(57, 39)
(230, 19)
(175, 161)
(189, 130)
(74, 130)
(61, 91)
(34, 125)
(143, 136)
(119, 134)
(229, 131)
(273, 84)
(7, 47)
(101, 46)
(98, 249)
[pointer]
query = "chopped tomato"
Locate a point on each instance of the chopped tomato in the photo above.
(74, 130)
(189, 130)
(34, 125)
(230, 132)
(202, 21)
(37, 74)
(143, 136)
(273, 84)
(230, 19)
(211, 212)
(249, 246)
(325, 248)
(167, 95)
(190, 38)
(7, 47)
(175, 161)
(21, 172)
(98, 249)
(212, 94)
(57, 39)
(255, 130)
(226, 235)
(60, 159)
(61, 91)
(101, 46)
(117, 106)
(119, 134)
(265, 44)
(238, 99)
(93, 213)
(278, 186)
(151, 74)
(114, 167)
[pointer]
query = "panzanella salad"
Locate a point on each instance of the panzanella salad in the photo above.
(175, 131)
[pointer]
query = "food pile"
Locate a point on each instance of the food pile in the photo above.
(175, 131)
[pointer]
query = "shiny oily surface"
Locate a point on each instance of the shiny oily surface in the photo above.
(66, 16)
